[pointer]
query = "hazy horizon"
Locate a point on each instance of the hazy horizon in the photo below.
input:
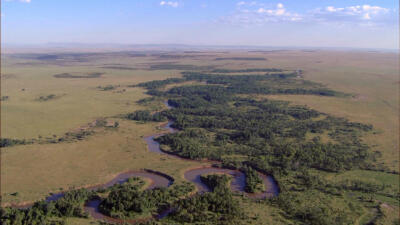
(367, 24)
(176, 46)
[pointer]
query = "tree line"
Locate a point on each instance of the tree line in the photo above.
(216, 121)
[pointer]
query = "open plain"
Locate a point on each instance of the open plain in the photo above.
(53, 94)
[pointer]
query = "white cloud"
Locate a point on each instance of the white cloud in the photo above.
(365, 12)
(241, 3)
(24, 1)
(256, 13)
(169, 3)
(333, 9)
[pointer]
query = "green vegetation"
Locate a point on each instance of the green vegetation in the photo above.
(160, 83)
(254, 183)
(216, 207)
(267, 130)
(129, 201)
(68, 75)
(76, 135)
(106, 88)
(168, 66)
(77, 164)
(118, 67)
(145, 115)
(247, 70)
(146, 101)
(126, 200)
(153, 104)
(279, 83)
(272, 136)
(371, 194)
(214, 181)
(47, 97)
(315, 208)
(7, 142)
(47, 213)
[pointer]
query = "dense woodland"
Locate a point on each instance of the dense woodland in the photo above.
(146, 115)
(254, 183)
(275, 83)
(223, 118)
(48, 213)
(130, 201)
(217, 124)
(216, 207)
(127, 200)
(247, 70)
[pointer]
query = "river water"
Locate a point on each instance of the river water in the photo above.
(160, 180)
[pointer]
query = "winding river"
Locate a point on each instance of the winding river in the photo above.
(154, 146)
(161, 180)
(157, 180)
(239, 179)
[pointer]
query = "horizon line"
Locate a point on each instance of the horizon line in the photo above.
(176, 45)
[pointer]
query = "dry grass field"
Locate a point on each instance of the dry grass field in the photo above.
(34, 171)
(372, 77)
(57, 167)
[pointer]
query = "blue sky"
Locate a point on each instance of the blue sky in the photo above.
(314, 23)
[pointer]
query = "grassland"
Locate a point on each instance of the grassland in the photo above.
(81, 102)
(55, 167)
(36, 170)
(371, 77)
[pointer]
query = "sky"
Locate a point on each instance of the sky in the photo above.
(284, 23)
